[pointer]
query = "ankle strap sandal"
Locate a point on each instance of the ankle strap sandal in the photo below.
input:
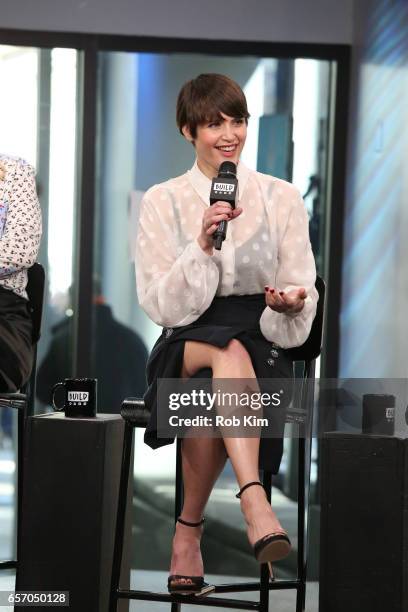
(196, 585)
(249, 484)
(273, 546)
(183, 522)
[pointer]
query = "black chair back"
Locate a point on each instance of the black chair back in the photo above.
(35, 292)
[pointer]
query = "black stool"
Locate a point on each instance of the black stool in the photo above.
(136, 415)
(24, 401)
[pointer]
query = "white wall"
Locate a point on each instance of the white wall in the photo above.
(312, 21)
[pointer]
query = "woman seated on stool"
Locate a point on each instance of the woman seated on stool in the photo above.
(20, 233)
(227, 310)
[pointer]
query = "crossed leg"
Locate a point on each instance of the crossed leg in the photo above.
(204, 458)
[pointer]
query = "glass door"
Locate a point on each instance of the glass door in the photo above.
(39, 111)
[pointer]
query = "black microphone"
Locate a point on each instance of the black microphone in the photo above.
(224, 189)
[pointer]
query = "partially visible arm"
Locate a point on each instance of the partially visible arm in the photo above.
(20, 240)
(296, 269)
(175, 285)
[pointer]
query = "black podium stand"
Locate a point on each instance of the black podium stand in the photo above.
(364, 524)
(70, 495)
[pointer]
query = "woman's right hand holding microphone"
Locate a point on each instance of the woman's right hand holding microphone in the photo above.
(213, 215)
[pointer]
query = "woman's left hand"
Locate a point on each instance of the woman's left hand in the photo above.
(290, 302)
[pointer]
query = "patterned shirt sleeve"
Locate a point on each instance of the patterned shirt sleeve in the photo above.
(21, 221)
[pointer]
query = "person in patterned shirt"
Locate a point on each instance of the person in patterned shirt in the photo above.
(20, 234)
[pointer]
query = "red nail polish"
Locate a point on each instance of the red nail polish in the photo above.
(280, 292)
(266, 288)
(272, 290)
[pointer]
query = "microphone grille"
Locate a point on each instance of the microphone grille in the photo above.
(227, 168)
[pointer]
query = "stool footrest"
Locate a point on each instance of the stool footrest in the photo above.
(211, 601)
(8, 565)
(13, 400)
(133, 411)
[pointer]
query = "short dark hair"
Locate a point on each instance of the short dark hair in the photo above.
(204, 98)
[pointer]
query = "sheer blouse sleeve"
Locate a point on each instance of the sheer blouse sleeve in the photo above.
(175, 284)
(296, 268)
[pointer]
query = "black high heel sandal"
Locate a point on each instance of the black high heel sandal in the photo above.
(198, 586)
(273, 546)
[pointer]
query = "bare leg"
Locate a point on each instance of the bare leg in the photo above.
(231, 362)
(202, 460)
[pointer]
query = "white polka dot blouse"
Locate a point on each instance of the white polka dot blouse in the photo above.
(268, 244)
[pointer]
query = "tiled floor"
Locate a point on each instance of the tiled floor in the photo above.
(7, 580)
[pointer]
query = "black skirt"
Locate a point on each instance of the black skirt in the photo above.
(226, 318)
(16, 352)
